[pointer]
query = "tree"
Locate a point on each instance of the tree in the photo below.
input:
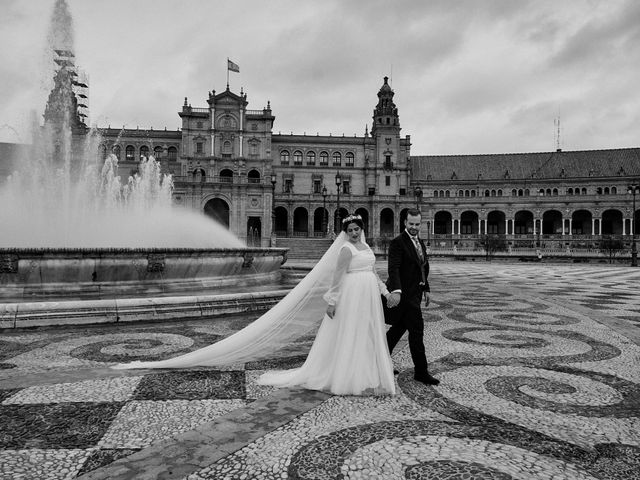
(611, 246)
(493, 244)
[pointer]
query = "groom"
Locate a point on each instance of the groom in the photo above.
(407, 283)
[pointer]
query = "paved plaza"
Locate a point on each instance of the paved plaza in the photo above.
(539, 380)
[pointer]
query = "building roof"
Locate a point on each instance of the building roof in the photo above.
(510, 166)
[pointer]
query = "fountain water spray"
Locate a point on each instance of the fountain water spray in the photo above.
(66, 194)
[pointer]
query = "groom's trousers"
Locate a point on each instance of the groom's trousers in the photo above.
(410, 319)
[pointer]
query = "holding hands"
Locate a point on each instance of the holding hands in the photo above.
(393, 299)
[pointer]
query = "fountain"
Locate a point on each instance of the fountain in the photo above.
(79, 245)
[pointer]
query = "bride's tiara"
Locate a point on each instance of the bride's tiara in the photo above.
(351, 218)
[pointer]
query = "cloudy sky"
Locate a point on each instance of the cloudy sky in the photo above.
(470, 76)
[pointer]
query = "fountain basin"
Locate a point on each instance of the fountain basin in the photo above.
(81, 286)
(45, 274)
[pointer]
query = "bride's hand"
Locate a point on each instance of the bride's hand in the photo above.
(331, 311)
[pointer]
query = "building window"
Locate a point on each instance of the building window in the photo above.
(284, 157)
(346, 187)
(199, 147)
(337, 159)
(403, 191)
(199, 125)
(157, 152)
(317, 186)
(172, 153)
(288, 185)
(324, 158)
(387, 162)
(435, 193)
(387, 181)
(144, 151)
(349, 159)
(311, 158)
(446, 194)
(461, 193)
(130, 153)
(253, 176)
(297, 157)
(226, 176)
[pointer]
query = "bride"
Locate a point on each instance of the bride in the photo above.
(349, 355)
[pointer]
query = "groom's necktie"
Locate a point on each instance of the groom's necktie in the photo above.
(416, 244)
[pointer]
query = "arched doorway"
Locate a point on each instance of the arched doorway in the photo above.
(364, 213)
(386, 222)
(581, 221)
(338, 215)
(469, 223)
(612, 222)
(496, 223)
(254, 231)
(281, 227)
(442, 223)
(218, 209)
(523, 222)
(552, 222)
(320, 216)
(300, 222)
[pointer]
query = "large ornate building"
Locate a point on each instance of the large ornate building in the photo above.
(227, 162)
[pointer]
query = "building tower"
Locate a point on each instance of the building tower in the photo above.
(390, 153)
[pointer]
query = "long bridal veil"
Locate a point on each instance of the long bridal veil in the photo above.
(297, 314)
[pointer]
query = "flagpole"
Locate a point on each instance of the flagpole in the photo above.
(227, 73)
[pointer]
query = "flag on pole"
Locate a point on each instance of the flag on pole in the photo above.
(232, 66)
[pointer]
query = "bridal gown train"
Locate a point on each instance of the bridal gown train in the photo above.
(349, 355)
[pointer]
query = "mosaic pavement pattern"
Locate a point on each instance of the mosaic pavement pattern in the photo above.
(539, 380)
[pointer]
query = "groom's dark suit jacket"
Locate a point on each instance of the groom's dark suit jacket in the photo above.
(406, 273)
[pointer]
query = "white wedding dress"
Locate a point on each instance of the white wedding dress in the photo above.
(349, 355)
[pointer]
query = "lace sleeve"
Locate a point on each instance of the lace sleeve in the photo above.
(344, 258)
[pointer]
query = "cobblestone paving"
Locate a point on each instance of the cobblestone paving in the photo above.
(539, 380)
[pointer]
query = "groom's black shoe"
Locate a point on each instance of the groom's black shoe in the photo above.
(427, 379)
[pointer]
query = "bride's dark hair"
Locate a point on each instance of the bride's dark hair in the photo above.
(357, 219)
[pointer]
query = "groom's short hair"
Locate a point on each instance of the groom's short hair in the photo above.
(414, 212)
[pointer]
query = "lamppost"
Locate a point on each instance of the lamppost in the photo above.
(418, 194)
(274, 178)
(324, 210)
(336, 220)
(633, 189)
